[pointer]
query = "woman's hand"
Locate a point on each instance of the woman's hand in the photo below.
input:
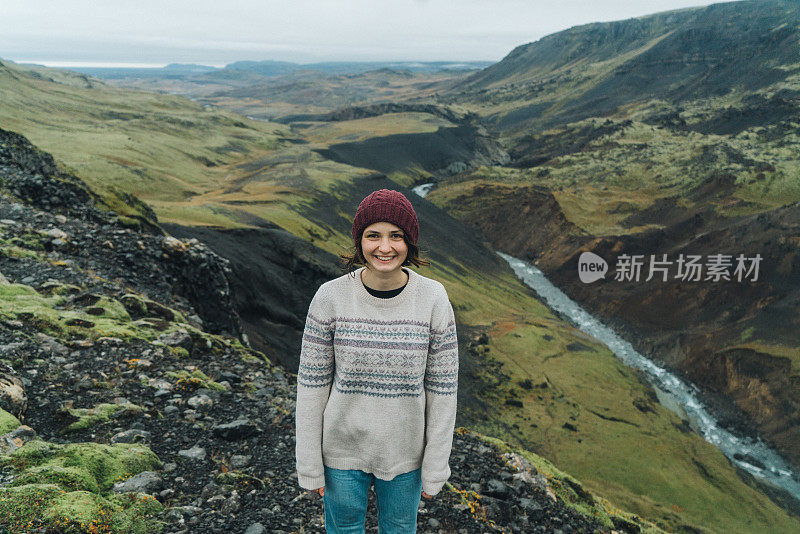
(426, 495)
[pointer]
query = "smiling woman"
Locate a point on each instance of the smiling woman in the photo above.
(384, 249)
(378, 377)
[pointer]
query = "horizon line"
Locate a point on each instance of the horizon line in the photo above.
(142, 65)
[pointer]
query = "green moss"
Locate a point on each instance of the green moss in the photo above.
(21, 508)
(81, 511)
(58, 288)
(134, 304)
(102, 412)
(71, 477)
(747, 333)
(36, 506)
(191, 381)
(67, 488)
(31, 241)
(178, 352)
(130, 222)
(8, 250)
(154, 309)
(45, 312)
(86, 466)
(7, 422)
(112, 309)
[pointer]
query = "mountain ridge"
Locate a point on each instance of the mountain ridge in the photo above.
(674, 55)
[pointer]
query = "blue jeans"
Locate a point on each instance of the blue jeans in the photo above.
(345, 501)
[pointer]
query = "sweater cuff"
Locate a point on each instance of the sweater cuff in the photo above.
(431, 487)
(310, 483)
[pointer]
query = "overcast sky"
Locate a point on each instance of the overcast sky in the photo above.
(215, 32)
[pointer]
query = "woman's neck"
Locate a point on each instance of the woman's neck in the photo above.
(384, 281)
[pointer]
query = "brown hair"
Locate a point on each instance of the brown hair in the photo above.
(356, 256)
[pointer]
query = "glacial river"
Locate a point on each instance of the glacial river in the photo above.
(752, 455)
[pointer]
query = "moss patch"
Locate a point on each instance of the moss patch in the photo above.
(35, 506)
(102, 412)
(98, 465)
(66, 487)
(7, 422)
(81, 511)
(190, 381)
(104, 318)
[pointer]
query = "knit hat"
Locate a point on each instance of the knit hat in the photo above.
(386, 205)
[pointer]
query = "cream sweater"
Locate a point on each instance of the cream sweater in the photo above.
(377, 382)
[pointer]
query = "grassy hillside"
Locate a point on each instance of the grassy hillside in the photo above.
(153, 146)
(606, 173)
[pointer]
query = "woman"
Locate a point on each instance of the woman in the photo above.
(378, 376)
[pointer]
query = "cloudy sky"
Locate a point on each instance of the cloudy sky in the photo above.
(213, 32)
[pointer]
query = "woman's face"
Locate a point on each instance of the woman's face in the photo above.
(383, 247)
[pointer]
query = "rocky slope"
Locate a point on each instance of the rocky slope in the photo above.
(143, 411)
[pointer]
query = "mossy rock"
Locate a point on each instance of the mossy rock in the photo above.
(130, 222)
(178, 352)
(139, 306)
(77, 321)
(87, 417)
(70, 477)
(8, 250)
(195, 380)
(86, 466)
(47, 314)
(57, 288)
(29, 241)
(21, 507)
(67, 488)
(82, 511)
(7, 422)
(154, 309)
(135, 304)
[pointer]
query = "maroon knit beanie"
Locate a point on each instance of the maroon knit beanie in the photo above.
(386, 205)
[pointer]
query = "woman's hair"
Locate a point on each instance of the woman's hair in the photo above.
(355, 258)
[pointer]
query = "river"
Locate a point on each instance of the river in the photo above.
(752, 455)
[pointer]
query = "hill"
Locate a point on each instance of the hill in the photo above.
(147, 145)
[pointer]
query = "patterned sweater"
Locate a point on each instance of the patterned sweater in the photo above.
(377, 382)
